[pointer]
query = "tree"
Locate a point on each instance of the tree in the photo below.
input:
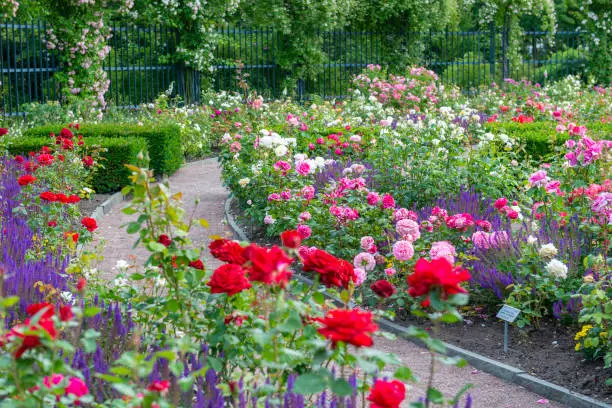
(298, 25)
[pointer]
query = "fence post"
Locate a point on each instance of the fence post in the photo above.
(492, 50)
(300, 89)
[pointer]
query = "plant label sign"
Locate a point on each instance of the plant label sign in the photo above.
(508, 313)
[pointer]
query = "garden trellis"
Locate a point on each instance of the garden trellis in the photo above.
(140, 64)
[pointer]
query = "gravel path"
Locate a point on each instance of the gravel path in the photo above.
(202, 179)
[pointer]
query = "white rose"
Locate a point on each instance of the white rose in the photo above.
(244, 182)
(548, 251)
(531, 240)
(280, 151)
(557, 269)
(121, 264)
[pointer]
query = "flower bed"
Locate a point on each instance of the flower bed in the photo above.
(170, 332)
(382, 182)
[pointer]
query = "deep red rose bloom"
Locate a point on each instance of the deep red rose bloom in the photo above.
(291, 239)
(88, 161)
(49, 310)
(66, 133)
(387, 394)
(61, 157)
(164, 240)
(48, 196)
(227, 251)
(62, 198)
(197, 264)
(349, 326)
(3, 131)
(383, 288)
(44, 159)
(67, 144)
(19, 159)
(333, 271)
(36, 330)
(437, 274)
(81, 284)
(230, 279)
(52, 224)
(25, 180)
(268, 265)
(159, 386)
(66, 313)
(89, 223)
(73, 199)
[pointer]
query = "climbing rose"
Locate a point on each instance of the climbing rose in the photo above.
(89, 223)
(383, 288)
(230, 279)
(333, 271)
(387, 394)
(291, 239)
(437, 274)
(268, 265)
(164, 240)
(227, 251)
(349, 326)
(25, 180)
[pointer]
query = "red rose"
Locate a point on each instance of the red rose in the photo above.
(89, 223)
(333, 271)
(25, 180)
(52, 224)
(44, 159)
(268, 265)
(76, 387)
(437, 274)
(197, 264)
(3, 131)
(159, 386)
(66, 133)
(61, 157)
(66, 313)
(48, 196)
(230, 279)
(227, 251)
(19, 159)
(49, 310)
(349, 326)
(164, 240)
(73, 235)
(387, 394)
(88, 161)
(291, 239)
(383, 288)
(73, 199)
(513, 215)
(81, 284)
(62, 198)
(67, 144)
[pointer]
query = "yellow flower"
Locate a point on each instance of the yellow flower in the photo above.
(577, 348)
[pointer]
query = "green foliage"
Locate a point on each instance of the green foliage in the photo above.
(164, 141)
(540, 138)
(119, 151)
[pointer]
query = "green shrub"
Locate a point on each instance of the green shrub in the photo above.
(113, 174)
(164, 142)
(540, 138)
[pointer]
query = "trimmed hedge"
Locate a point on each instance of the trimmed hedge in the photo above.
(540, 138)
(113, 175)
(164, 142)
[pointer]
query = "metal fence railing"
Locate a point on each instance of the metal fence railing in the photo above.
(139, 65)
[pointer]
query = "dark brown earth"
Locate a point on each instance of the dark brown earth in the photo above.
(546, 352)
(88, 206)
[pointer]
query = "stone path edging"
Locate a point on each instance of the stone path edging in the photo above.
(107, 206)
(500, 370)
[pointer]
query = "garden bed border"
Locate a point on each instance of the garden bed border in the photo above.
(505, 372)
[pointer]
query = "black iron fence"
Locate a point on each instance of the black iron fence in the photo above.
(139, 66)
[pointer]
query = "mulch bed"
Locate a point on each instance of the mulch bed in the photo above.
(87, 207)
